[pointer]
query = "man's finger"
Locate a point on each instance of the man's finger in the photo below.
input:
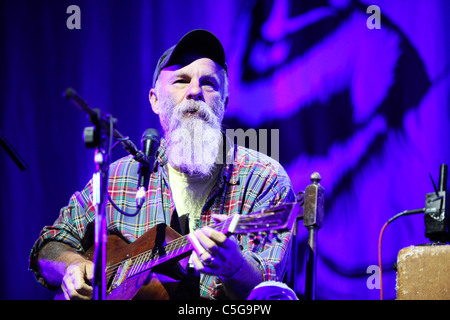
(219, 217)
(198, 265)
(214, 235)
(89, 269)
(74, 284)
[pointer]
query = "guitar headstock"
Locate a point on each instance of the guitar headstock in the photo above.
(266, 221)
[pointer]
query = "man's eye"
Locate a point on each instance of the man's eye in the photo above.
(180, 81)
(209, 83)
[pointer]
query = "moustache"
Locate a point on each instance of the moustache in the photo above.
(174, 115)
(195, 108)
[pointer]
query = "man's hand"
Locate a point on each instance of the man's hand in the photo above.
(61, 265)
(76, 283)
(218, 255)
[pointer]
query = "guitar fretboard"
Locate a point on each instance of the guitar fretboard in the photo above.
(158, 255)
(155, 256)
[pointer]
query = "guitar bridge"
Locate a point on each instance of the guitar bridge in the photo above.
(121, 273)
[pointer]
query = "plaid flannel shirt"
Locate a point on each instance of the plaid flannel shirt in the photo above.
(253, 181)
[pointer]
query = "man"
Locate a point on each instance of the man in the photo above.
(190, 185)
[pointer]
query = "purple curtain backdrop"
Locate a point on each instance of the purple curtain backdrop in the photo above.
(366, 108)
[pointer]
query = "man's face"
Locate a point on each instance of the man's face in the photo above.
(202, 80)
(190, 102)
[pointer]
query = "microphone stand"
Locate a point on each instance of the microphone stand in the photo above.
(12, 152)
(313, 214)
(312, 202)
(95, 138)
(100, 183)
(104, 122)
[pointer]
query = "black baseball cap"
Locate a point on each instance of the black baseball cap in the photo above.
(196, 43)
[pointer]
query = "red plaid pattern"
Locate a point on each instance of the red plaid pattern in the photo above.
(251, 182)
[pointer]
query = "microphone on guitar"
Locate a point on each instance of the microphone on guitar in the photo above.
(149, 144)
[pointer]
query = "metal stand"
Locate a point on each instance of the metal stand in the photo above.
(11, 152)
(95, 137)
(311, 263)
(100, 184)
(312, 215)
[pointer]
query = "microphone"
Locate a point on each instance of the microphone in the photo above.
(149, 144)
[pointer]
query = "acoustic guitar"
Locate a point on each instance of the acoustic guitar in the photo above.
(153, 266)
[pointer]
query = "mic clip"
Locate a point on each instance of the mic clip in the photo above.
(140, 197)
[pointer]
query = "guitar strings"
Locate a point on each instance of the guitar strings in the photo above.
(169, 249)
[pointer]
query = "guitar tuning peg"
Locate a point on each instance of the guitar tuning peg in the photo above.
(266, 238)
(275, 236)
(254, 237)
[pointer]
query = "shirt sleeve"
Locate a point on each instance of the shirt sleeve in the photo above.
(271, 256)
(69, 228)
(268, 186)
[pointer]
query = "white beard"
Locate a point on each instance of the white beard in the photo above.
(193, 135)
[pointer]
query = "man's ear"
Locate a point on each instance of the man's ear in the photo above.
(153, 98)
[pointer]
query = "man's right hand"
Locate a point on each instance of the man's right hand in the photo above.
(77, 280)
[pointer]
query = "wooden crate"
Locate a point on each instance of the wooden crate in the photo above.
(423, 273)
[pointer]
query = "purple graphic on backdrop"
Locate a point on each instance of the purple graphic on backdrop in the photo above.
(323, 86)
(339, 91)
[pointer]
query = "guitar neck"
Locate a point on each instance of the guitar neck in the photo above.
(158, 255)
(262, 222)
(266, 220)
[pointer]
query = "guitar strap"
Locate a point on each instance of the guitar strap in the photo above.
(189, 285)
(184, 224)
(175, 222)
(180, 224)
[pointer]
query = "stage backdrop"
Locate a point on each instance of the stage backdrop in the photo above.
(359, 94)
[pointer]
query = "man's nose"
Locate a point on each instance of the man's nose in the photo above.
(195, 91)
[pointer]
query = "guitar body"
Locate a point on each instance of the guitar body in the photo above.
(154, 266)
(158, 283)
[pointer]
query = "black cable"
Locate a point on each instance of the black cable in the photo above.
(108, 157)
(403, 213)
(406, 213)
